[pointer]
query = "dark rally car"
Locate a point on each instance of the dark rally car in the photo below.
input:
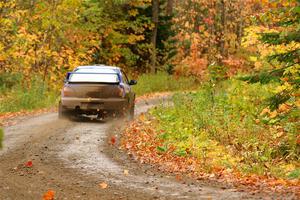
(97, 90)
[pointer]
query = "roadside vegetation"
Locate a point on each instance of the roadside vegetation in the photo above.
(225, 131)
(230, 125)
(14, 97)
(244, 118)
(163, 82)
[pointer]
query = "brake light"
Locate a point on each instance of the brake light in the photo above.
(67, 92)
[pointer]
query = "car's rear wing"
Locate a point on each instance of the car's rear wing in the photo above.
(88, 77)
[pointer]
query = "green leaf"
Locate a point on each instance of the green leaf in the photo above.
(295, 174)
(296, 9)
(162, 149)
(180, 152)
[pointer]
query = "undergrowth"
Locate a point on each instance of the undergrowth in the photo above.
(229, 125)
(162, 82)
(14, 97)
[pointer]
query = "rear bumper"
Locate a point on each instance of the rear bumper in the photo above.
(89, 104)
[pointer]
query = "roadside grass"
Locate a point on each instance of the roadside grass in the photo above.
(162, 82)
(14, 97)
(229, 126)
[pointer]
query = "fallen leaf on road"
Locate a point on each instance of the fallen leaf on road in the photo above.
(103, 185)
(178, 177)
(28, 164)
(49, 195)
(113, 140)
(6, 118)
(126, 172)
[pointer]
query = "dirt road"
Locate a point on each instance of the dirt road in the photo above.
(74, 157)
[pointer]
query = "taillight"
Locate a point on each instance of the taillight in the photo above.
(67, 92)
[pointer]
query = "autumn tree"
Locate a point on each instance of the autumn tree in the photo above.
(210, 33)
(276, 35)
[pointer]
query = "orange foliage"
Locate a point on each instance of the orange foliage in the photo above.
(211, 34)
(233, 64)
(49, 195)
(192, 64)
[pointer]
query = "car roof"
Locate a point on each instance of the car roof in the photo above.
(98, 68)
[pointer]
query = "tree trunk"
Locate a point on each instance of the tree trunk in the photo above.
(170, 7)
(240, 26)
(223, 24)
(155, 12)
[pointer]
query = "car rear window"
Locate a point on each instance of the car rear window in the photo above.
(93, 78)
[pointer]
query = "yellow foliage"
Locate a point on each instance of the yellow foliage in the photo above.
(133, 12)
(283, 108)
(273, 114)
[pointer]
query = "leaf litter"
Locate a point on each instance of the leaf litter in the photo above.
(141, 141)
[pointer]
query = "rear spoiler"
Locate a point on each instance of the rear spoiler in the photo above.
(70, 73)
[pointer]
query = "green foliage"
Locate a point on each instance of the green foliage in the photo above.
(264, 77)
(222, 125)
(162, 82)
(287, 58)
(277, 99)
(124, 33)
(8, 81)
(162, 149)
(295, 174)
(19, 98)
(277, 38)
(217, 73)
